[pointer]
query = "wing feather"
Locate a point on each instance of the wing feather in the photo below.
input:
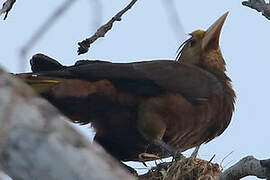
(147, 78)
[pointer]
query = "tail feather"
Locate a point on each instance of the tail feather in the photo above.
(82, 101)
(41, 63)
(39, 84)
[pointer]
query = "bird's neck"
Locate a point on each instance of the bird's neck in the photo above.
(227, 84)
(214, 63)
(220, 74)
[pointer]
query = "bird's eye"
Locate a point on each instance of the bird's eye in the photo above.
(192, 43)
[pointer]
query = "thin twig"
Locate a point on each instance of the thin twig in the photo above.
(85, 44)
(7, 7)
(260, 6)
(43, 29)
(174, 19)
(212, 158)
(225, 158)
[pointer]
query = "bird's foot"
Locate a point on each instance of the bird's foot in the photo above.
(171, 150)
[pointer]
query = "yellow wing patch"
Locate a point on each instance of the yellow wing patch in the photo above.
(42, 85)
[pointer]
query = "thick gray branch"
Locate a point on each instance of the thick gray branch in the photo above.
(37, 143)
(260, 6)
(85, 44)
(248, 166)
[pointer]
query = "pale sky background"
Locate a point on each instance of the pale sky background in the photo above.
(145, 33)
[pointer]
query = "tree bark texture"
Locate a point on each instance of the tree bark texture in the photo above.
(37, 143)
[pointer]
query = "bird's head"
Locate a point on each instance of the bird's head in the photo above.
(202, 48)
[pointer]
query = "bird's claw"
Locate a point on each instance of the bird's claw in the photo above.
(143, 157)
(147, 157)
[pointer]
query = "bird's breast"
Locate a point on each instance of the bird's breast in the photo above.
(187, 124)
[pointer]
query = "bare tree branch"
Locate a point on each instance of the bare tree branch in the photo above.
(260, 6)
(43, 29)
(36, 142)
(174, 19)
(85, 44)
(7, 7)
(248, 166)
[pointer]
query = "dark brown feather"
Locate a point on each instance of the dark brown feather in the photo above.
(131, 105)
(111, 95)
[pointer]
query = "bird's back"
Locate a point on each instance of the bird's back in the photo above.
(114, 97)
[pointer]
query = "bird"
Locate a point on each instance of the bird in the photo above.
(153, 107)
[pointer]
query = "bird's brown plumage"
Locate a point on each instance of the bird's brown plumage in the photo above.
(183, 103)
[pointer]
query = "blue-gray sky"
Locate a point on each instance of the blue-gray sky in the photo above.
(145, 33)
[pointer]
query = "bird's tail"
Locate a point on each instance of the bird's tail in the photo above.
(79, 99)
(40, 63)
(39, 84)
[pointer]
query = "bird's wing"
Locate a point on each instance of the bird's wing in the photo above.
(146, 78)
